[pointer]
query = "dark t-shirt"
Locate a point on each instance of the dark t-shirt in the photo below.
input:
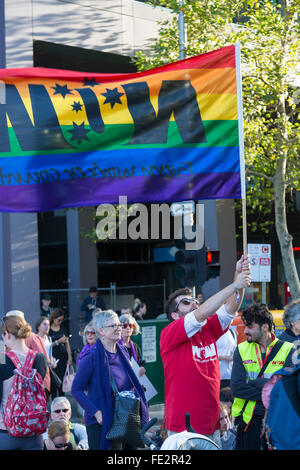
(7, 369)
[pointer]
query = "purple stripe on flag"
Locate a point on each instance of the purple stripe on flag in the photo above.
(94, 191)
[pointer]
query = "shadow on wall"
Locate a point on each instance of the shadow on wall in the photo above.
(60, 22)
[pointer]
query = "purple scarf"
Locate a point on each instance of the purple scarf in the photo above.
(84, 351)
(132, 348)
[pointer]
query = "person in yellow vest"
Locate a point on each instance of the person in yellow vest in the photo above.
(254, 361)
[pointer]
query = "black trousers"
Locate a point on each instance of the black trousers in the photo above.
(94, 432)
(250, 438)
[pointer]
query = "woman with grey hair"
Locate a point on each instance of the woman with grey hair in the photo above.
(92, 384)
(291, 320)
(130, 327)
(89, 341)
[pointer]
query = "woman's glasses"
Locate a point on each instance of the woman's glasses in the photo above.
(115, 326)
(90, 333)
(126, 325)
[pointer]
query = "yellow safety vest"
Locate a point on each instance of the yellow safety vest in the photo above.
(252, 360)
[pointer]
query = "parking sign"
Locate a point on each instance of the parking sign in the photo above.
(260, 261)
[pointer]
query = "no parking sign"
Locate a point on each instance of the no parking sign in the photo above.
(260, 261)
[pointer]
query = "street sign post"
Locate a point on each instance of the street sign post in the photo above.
(260, 261)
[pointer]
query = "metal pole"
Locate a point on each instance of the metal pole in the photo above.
(263, 292)
(181, 32)
(164, 294)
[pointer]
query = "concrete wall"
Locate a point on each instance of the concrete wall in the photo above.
(116, 26)
(19, 277)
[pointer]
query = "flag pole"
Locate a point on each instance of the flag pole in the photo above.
(241, 144)
(244, 216)
(181, 28)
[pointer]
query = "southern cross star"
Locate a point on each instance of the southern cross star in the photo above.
(78, 132)
(62, 90)
(112, 97)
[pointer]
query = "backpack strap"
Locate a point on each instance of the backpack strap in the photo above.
(30, 358)
(14, 359)
(28, 361)
(271, 356)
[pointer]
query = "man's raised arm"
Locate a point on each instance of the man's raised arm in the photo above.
(226, 295)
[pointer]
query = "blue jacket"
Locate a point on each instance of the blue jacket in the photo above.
(93, 376)
(89, 300)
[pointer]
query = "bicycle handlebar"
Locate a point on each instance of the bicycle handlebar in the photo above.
(145, 429)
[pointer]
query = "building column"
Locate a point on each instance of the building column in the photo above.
(19, 269)
(82, 266)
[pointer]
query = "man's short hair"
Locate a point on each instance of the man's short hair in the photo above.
(260, 314)
(226, 394)
(45, 297)
(93, 289)
(171, 302)
(58, 400)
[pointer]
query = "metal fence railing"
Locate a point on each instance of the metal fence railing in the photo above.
(115, 297)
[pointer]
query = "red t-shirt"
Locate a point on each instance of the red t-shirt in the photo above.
(192, 376)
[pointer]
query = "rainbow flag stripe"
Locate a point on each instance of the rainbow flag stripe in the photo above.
(70, 139)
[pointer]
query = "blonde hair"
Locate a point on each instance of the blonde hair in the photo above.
(16, 326)
(58, 428)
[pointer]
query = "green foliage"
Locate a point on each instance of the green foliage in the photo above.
(269, 35)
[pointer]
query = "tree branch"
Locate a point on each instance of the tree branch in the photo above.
(259, 78)
(260, 175)
(291, 182)
(292, 113)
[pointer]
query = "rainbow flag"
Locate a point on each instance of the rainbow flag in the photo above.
(70, 139)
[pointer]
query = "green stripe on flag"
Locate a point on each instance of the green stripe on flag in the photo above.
(218, 134)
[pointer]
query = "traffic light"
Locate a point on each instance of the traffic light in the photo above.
(212, 263)
(191, 266)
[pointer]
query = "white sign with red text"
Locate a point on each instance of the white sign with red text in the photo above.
(260, 261)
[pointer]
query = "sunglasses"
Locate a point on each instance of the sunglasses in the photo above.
(186, 301)
(131, 325)
(90, 333)
(61, 446)
(64, 410)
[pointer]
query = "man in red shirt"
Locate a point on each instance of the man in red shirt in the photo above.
(189, 354)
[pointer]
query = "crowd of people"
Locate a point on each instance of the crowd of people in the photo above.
(191, 355)
(107, 349)
(206, 372)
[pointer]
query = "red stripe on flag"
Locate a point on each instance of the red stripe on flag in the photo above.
(221, 58)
